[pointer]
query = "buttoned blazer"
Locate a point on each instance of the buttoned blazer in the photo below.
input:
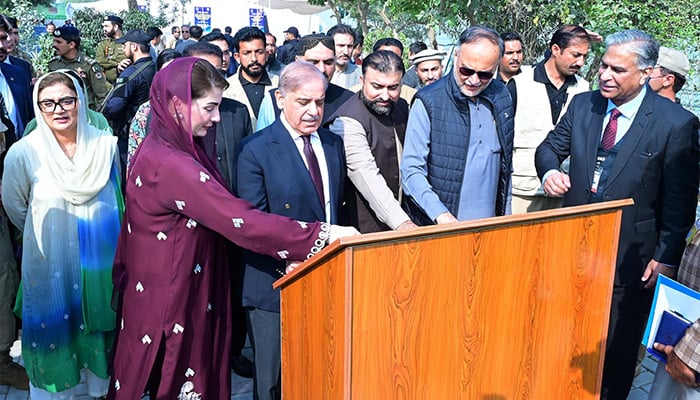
(271, 174)
(656, 166)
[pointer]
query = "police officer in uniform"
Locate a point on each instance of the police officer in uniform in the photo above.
(66, 42)
(110, 55)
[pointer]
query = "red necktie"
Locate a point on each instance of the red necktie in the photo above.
(610, 130)
(314, 169)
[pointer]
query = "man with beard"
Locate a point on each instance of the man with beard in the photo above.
(317, 49)
(273, 66)
(373, 126)
(428, 65)
(251, 82)
(511, 62)
(66, 42)
(109, 54)
(459, 138)
(546, 91)
(131, 88)
(346, 73)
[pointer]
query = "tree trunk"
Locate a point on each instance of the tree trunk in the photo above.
(132, 4)
(336, 12)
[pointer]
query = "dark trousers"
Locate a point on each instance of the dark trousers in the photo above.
(264, 329)
(238, 316)
(628, 314)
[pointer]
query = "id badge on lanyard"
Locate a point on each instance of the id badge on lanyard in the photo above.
(597, 173)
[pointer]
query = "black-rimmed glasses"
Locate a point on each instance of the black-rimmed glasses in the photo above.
(49, 106)
(483, 75)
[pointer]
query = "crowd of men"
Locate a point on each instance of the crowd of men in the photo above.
(315, 130)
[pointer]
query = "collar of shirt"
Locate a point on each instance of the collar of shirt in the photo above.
(629, 109)
(264, 79)
(540, 75)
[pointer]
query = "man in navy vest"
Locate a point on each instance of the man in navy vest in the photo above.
(458, 153)
(625, 141)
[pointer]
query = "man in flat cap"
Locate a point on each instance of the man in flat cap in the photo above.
(110, 55)
(428, 65)
(66, 44)
(131, 88)
(669, 74)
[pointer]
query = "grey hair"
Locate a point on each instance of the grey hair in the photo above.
(639, 43)
(475, 33)
(298, 74)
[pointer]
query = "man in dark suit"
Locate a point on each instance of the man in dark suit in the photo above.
(626, 141)
(17, 57)
(292, 168)
(233, 126)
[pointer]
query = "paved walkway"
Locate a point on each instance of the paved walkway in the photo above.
(243, 388)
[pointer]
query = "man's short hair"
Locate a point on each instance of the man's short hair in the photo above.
(174, 28)
(510, 36)
(297, 74)
(12, 21)
(248, 34)
(308, 42)
(639, 43)
(568, 35)
(359, 38)
(228, 30)
(341, 29)
(196, 31)
(417, 47)
(475, 33)
(213, 37)
(203, 49)
(4, 24)
(384, 61)
(154, 32)
(389, 41)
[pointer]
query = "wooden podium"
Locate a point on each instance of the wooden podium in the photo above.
(504, 308)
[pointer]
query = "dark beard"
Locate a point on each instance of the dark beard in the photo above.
(271, 58)
(253, 74)
(376, 108)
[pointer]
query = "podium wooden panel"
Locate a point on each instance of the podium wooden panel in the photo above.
(505, 308)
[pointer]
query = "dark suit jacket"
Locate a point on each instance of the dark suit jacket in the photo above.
(19, 84)
(23, 64)
(657, 166)
(336, 96)
(234, 126)
(271, 174)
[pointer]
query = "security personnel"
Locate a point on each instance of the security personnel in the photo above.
(66, 42)
(110, 55)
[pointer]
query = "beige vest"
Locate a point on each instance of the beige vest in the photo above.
(533, 121)
(235, 91)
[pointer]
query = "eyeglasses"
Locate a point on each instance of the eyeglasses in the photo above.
(49, 106)
(483, 75)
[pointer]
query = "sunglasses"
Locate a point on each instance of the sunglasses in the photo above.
(483, 75)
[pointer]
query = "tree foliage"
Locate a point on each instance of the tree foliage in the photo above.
(673, 23)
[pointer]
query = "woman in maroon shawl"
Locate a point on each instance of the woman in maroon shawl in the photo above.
(170, 269)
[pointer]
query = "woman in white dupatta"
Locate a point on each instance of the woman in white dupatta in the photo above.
(61, 187)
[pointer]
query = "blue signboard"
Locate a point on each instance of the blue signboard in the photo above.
(257, 18)
(142, 8)
(202, 17)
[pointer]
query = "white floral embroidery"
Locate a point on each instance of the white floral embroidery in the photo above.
(208, 307)
(146, 339)
(191, 223)
(180, 204)
(178, 329)
(128, 227)
(237, 222)
(139, 286)
(203, 177)
(189, 373)
(303, 224)
(197, 269)
(162, 236)
(138, 181)
(117, 385)
(187, 392)
(283, 254)
(122, 323)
